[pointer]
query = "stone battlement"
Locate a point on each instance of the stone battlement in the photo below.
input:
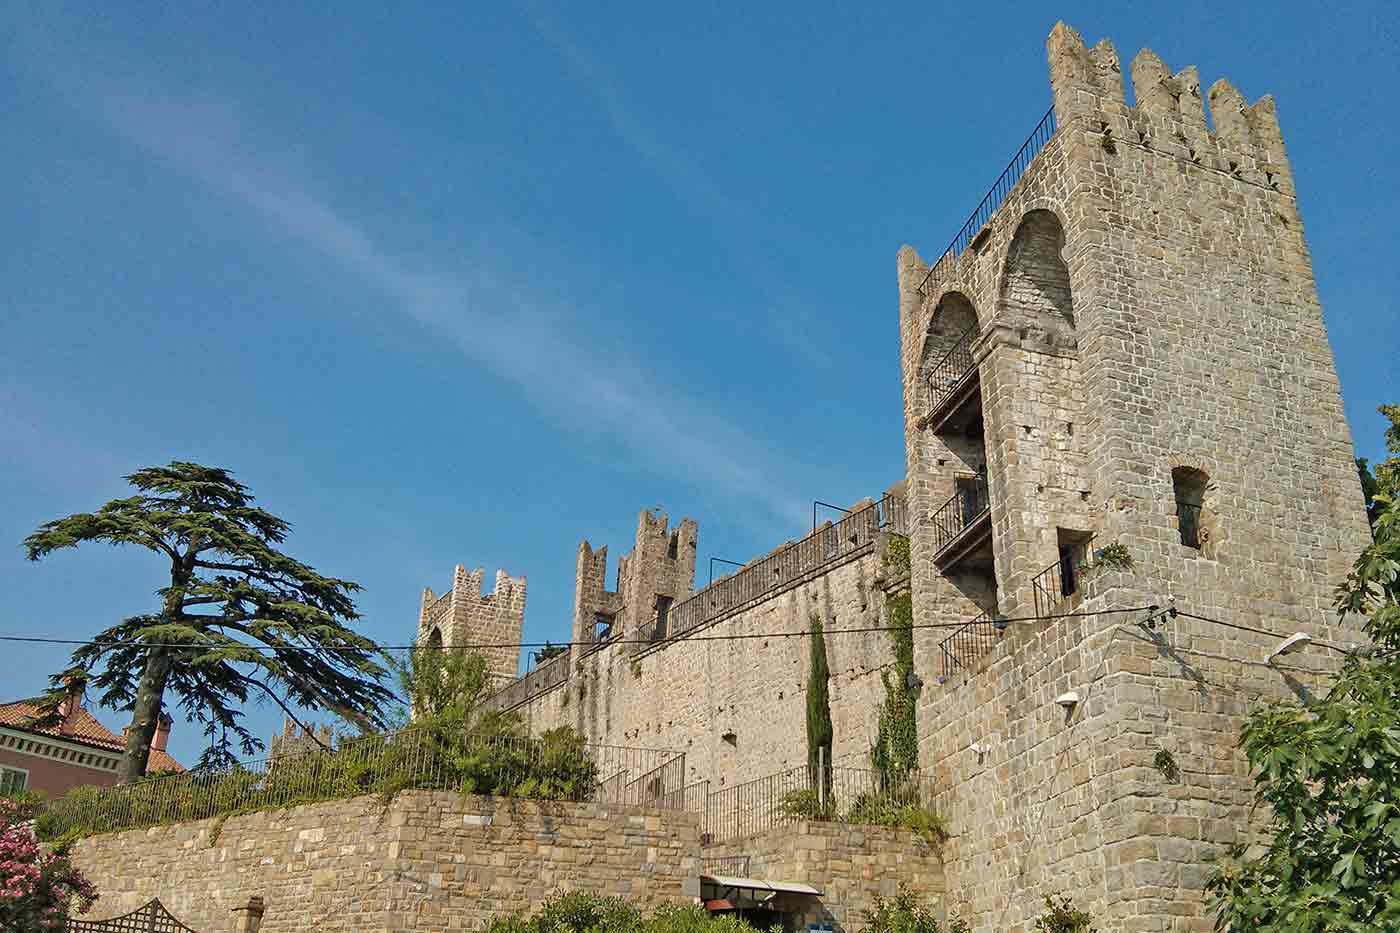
(658, 572)
(1170, 110)
(465, 616)
(1123, 346)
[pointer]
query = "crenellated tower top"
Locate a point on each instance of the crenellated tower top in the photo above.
(657, 572)
(1169, 112)
(464, 616)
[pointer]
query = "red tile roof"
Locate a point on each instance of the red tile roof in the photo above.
(87, 731)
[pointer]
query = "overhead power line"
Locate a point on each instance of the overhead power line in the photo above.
(741, 636)
(1257, 631)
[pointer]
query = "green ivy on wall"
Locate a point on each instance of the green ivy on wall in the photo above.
(895, 752)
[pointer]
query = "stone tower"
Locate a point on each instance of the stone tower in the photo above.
(465, 616)
(658, 572)
(1127, 349)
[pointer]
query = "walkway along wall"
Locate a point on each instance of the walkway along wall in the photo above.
(736, 706)
(436, 861)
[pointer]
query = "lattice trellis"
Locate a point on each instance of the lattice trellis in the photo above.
(152, 918)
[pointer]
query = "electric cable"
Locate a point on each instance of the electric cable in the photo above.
(742, 636)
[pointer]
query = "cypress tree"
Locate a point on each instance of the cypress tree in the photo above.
(819, 732)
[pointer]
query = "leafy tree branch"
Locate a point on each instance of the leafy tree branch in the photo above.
(238, 612)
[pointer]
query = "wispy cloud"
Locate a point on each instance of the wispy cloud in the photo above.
(500, 325)
(787, 319)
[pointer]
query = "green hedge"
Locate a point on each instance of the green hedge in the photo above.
(555, 766)
(582, 912)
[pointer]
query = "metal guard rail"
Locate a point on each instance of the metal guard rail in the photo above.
(827, 544)
(969, 641)
(954, 366)
(995, 195)
(1054, 585)
(964, 508)
(551, 673)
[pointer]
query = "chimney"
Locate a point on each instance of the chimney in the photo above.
(71, 706)
(162, 733)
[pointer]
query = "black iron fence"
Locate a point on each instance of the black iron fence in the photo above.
(968, 504)
(993, 199)
(760, 578)
(549, 674)
(529, 768)
(540, 768)
(1055, 584)
(970, 641)
(847, 795)
(831, 543)
(949, 372)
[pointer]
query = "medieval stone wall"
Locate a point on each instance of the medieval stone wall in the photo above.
(1045, 798)
(1197, 341)
(1145, 313)
(737, 708)
(425, 861)
(436, 861)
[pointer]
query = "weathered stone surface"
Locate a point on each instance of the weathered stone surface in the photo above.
(1142, 312)
(689, 694)
(850, 865)
(427, 861)
(1146, 303)
(435, 861)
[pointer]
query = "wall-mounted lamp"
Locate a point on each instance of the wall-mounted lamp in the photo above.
(980, 748)
(1294, 642)
(1068, 700)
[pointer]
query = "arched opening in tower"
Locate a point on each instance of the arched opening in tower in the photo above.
(1035, 291)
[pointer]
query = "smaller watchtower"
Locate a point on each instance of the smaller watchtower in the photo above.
(658, 572)
(465, 616)
(291, 742)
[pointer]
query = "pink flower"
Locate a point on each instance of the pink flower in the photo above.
(38, 888)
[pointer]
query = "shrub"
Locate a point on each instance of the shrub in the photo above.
(880, 810)
(903, 913)
(897, 554)
(576, 910)
(38, 889)
(806, 804)
(1061, 916)
(494, 757)
(583, 912)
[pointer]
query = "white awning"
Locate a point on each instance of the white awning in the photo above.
(753, 884)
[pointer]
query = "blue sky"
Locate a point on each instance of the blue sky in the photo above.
(469, 283)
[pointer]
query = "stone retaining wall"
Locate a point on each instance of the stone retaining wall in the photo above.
(438, 861)
(850, 865)
(427, 861)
